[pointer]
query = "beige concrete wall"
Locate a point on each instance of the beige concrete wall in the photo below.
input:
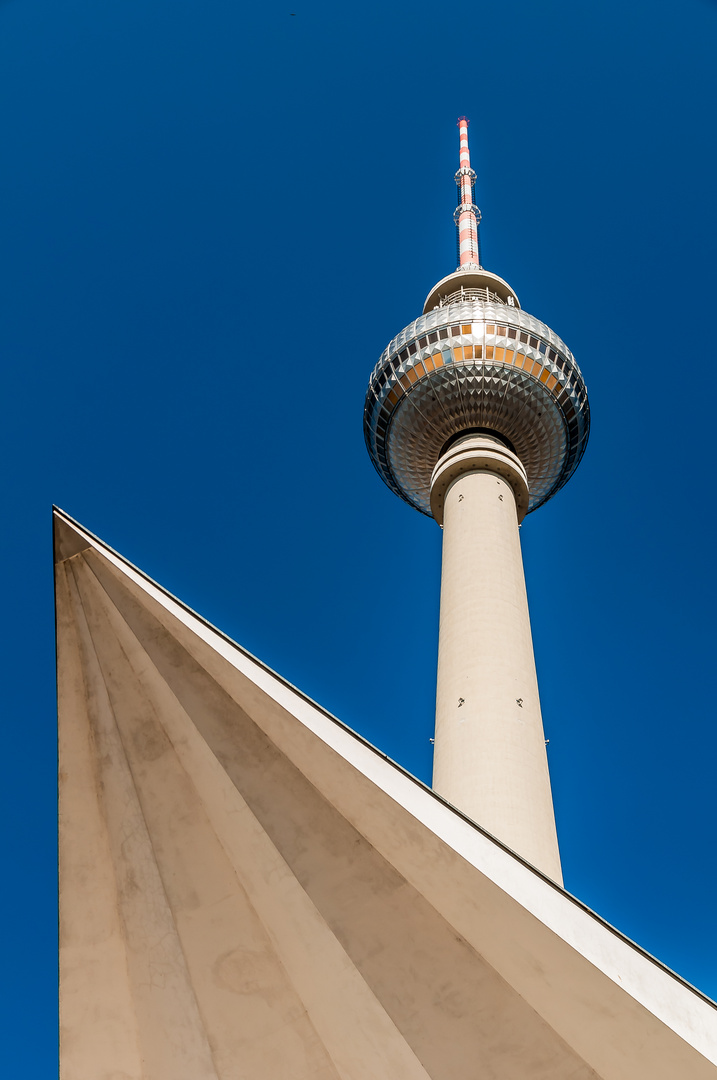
(248, 891)
(490, 756)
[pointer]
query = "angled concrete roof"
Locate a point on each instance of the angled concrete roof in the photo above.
(249, 890)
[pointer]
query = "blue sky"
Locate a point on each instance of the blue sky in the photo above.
(213, 217)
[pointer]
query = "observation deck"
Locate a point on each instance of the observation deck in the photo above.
(470, 364)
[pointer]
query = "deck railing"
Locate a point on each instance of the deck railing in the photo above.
(486, 295)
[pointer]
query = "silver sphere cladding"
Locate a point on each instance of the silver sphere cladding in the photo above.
(476, 365)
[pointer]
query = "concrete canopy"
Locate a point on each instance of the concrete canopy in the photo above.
(249, 890)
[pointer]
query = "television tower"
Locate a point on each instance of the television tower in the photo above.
(476, 414)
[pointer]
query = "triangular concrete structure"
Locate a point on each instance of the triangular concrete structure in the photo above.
(249, 890)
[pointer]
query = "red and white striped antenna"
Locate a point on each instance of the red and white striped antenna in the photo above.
(467, 215)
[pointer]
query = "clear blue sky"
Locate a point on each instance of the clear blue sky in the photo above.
(213, 217)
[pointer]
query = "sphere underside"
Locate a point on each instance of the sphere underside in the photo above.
(476, 365)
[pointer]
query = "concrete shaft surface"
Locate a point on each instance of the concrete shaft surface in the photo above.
(490, 758)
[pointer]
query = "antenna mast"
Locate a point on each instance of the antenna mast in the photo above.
(467, 215)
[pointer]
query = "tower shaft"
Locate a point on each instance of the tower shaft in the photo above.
(490, 756)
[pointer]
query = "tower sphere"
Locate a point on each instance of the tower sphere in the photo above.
(475, 362)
